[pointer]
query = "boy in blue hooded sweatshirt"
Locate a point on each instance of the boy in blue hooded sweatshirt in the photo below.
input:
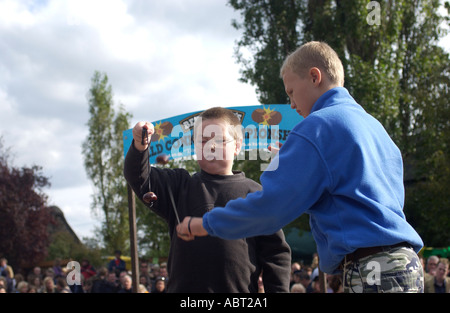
(340, 166)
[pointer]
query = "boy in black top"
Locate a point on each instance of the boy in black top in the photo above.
(209, 264)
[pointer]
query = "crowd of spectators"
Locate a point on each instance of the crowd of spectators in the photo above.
(305, 279)
(111, 278)
(114, 278)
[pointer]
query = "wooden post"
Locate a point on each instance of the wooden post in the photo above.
(133, 239)
(322, 281)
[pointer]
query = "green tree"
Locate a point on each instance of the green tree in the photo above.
(424, 115)
(270, 32)
(394, 69)
(152, 233)
(64, 246)
(103, 160)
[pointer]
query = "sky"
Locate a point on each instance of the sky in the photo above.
(162, 58)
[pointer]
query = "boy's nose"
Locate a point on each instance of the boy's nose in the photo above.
(293, 105)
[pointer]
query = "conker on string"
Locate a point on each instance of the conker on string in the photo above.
(149, 197)
(162, 159)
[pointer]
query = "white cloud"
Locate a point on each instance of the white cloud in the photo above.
(14, 13)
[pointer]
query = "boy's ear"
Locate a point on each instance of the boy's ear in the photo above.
(315, 75)
(238, 146)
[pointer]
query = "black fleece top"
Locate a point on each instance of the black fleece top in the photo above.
(209, 264)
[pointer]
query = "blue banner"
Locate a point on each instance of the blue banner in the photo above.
(262, 125)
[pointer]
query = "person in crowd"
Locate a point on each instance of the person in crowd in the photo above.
(160, 285)
(57, 269)
(295, 266)
(304, 278)
(440, 282)
(98, 279)
(432, 263)
(112, 284)
(32, 289)
(117, 265)
(163, 270)
(7, 271)
(142, 289)
(261, 284)
(298, 288)
(49, 285)
(4, 283)
(144, 273)
(126, 285)
(87, 270)
(107, 283)
(50, 273)
(22, 287)
(335, 283)
(61, 285)
(145, 281)
(3, 266)
(295, 277)
(37, 282)
(37, 272)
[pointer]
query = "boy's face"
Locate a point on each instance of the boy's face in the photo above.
(300, 92)
(215, 147)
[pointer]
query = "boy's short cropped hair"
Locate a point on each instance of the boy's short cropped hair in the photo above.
(222, 114)
(315, 54)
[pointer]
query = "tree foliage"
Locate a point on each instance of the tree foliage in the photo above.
(24, 214)
(103, 160)
(395, 69)
(270, 32)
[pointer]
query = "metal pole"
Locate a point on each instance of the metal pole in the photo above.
(133, 239)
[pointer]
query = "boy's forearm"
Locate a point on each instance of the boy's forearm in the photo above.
(196, 227)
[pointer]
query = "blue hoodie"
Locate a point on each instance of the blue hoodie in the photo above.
(338, 165)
